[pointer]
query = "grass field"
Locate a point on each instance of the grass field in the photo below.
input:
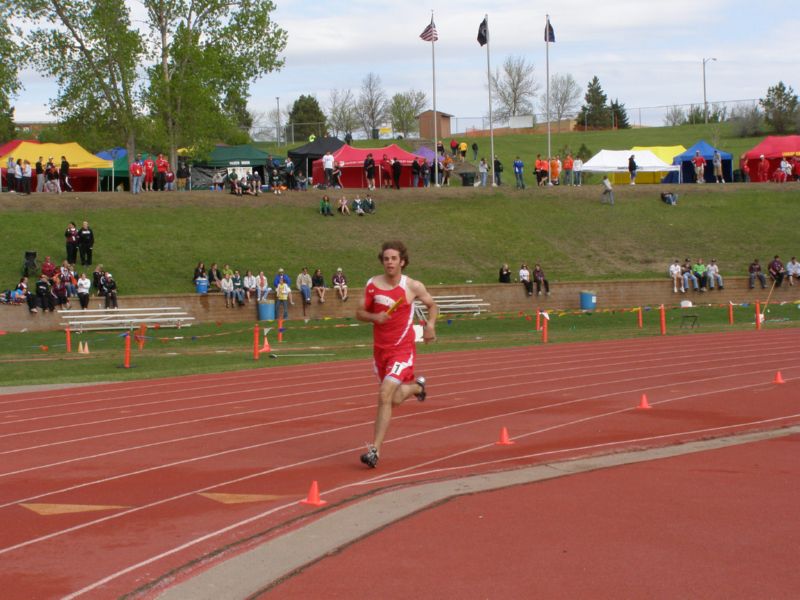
(40, 357)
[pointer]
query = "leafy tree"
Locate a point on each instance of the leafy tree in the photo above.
(342, 112)
(595, 113)
(564, 97)
(584, 153)
(780, 108)
(514, 88)
(747, 120)
(619, 115)
(372, 106)
(403, 111)
(92, 50)
(9, 82)
(305, 116)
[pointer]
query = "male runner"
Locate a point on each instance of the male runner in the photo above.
(389, 305)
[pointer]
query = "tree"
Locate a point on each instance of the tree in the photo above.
(403, 111)
(619, 115)
(595, 113)
(675, 115)
(9, 81)
(342, 112)
(198, 88)
(306, 117)
(91, 49)
(780, 107)
(514, 88)
(564, 97)
(747, 120)
(372, 105)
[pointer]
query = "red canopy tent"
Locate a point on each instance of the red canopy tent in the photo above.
(351, 161)
(774, 148)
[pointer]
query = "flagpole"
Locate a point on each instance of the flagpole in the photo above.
(435, 120)
(491, 123)
(547, 102)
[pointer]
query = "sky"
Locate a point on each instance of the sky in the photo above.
(645, 53)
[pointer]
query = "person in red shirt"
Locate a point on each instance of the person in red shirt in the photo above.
(568, 164)
(136, 170)
(746, 171)
(149, 168)
(699, 168)
(763, 169)
(162, 166)
(540, 170)
(389, 305)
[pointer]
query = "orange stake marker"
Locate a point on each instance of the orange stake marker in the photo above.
(663, 317)
(255, 342)
(69, 340)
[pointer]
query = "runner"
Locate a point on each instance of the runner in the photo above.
(389, 305)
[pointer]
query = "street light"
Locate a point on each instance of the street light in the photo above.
(278, 99)
(705, 102)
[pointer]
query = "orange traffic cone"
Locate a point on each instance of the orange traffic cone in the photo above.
(80, 348)
(779, 378)
(313, 498)
(504, 439)
(643, 402)
(265, 347)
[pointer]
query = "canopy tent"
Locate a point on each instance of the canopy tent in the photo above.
(83, 164)
(616, 161)
(244, 155)
(351, 161)
(664, 153)
(774, 148)
(426, 153)
(9, 147)
(305, 155)
(684, 161)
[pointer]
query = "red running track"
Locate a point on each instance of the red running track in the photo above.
(142, 455)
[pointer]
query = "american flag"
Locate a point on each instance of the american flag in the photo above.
(429, 34)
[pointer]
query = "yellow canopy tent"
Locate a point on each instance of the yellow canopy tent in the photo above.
(665, 153)
(82, 163)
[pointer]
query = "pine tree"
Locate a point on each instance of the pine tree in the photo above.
(780, 108)
(620, 115)
(595, 113)
(305, 117)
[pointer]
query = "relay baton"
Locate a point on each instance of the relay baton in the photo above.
(396, 304)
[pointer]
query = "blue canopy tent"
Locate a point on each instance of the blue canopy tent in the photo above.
(687, 167)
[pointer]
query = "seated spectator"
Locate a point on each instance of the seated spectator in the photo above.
(214, 277)
(276, 183)
(21, 294)
(67, 275)
(776, 271)
(217, 182)
(110, 291)
(340, 284)
(357, 207)
(713, 275)
(699, 270)
(49, 268)
(755, 271)
(281, 276)
(525, 278)
(792, 270)
(342, 207)
(60, 293)
(262, 286)
(304, 284)
(200, 272)
(302, 181)
(249, 285)
(227, 290)
(98, 277)
(255, 182)
(226, 269)
(369, 204)
(318, 285)
(44, 295)
(84, 287)
(234, 183)
(505, 274)
(689, 276)
(325, 207)
(238, 287)
(540, 279)
(676, 273)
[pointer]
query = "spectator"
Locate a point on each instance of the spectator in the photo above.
(369, 171)
(44, 295)
(474, 150)
(569, 165)
(519, 173)
(250, 285)
(608, 192)
(336, 176)
(325, 207)
(498, 170)
(136, 171)
(262, 286)
(22, 293)
(699, 167)
(699, 270)
(226, 270)
(713, 275)
(67, 275)
(234, 184)
(716, 161)
(448, 166)
(27, 176)
(200, 272)
(792, 270)
(505, 274)
(386, 170)
(281, 276)
(304, 284)
(416, 169)
(227, 290)
(745, 171)
(540, 279)
(540, 170)
(555, 171)
(64, 175)
(110, 291)
(52, 181)
(577, 171)
(397, 170)
(283, 297)
(275, 183)
(183, 175)
(60, 292)
(525, 278)
(288, 167)
(169, 180)
(217, 182)
(39, 168)
(439, 148)
(84, 288)
(369, 204)
(632, 168)
(149, 170)
(689, 276)
(86, 243)
(238, 287)
(358, 207)
(49, 268)
(11, 168)
(340, 284)
(318, 285)
(755, 272)
(302, 180)
(425, 173)
(453, 147)
(162, 166)
(342, 207)
(327, 165)
(776, 271)
(98, 278)
(483, 170)
(462, 151)
(214, 277)
(676, 273)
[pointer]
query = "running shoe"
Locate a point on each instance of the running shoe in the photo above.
(420, 381)
(370, 458)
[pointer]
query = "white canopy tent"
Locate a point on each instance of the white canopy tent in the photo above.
(615, 161)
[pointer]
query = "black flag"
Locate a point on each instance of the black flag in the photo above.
(483, 32)
(549, 34)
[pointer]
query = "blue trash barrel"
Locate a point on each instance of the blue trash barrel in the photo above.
(266, 310)
(588, 300)
(201, 285)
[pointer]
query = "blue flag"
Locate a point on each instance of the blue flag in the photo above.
(549, 34)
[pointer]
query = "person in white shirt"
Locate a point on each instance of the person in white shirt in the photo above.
(227, 290)
(608, 192)
(250, 285)
(577, 171)
(84, 285)
(262, 287)
(525, 278)
(303, 283)
(713, 276)
(792, 270)
(676, 273)
(327, 165)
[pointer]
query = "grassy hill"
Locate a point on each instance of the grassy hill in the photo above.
(152, 242)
